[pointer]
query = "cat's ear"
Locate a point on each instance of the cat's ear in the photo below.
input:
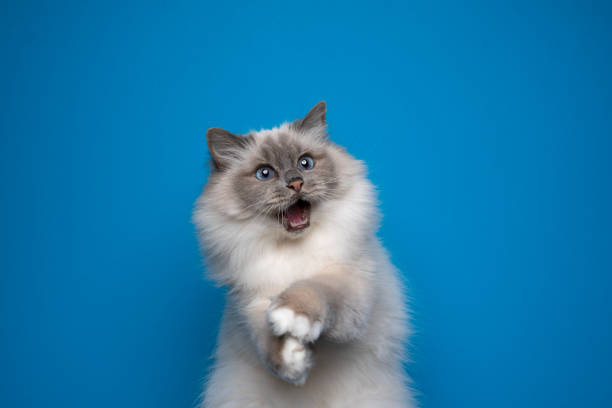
(224, 146)
(314, 119)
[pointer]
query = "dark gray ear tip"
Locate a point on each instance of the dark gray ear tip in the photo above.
(216, 134)
(214, 131)
(314, 119)
(318, 111)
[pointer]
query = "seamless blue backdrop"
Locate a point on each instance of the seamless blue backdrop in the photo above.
(487, 127)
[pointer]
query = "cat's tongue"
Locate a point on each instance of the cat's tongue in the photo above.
(297, 216)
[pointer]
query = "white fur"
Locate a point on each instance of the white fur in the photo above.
(297, 359)
(258, 261)
(283, 320)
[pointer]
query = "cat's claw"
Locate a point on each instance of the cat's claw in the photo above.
(284, 320)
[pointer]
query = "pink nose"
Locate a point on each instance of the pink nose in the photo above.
(296, 185)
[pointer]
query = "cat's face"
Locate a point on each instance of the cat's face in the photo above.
(278, 176)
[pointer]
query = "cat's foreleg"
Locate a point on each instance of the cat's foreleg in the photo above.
(286, 356)
(335, 305)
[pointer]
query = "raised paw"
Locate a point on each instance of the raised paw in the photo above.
(291, 360)
(284, 320)
(299, 311)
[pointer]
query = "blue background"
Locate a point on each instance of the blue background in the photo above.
(486, 126)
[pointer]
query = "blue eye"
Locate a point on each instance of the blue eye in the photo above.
(264, 173)
(306, 163)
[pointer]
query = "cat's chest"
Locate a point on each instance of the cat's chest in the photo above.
(279, 266)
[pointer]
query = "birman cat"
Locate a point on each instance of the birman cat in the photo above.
(315, 315)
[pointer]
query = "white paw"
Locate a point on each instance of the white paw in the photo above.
(297, 360)
(284, 320)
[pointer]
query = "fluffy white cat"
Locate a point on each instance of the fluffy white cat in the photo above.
(315, 315)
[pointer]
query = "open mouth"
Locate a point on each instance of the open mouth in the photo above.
(297, 216)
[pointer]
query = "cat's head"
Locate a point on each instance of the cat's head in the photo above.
(280, 176)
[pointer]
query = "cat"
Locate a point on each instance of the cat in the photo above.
(315, 313)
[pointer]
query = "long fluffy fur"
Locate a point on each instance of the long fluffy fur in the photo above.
(357, 362)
